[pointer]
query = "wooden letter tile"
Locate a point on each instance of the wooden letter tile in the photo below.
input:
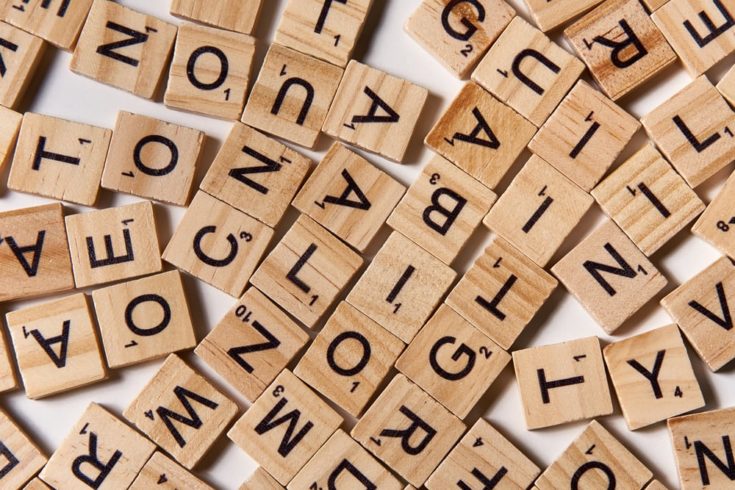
(656, 485)
(343, 460)
(326, 30)
(654, 5)
(562, 383)
(595, 460)
(20, 56)
(701, 307)
(726, 86)
(349, 196)
(408, 430)
(57, 22)
(584, 135)
(174, 389)
(152, 158)
(143, 319)
(59, 159)
(480, 135)
(442, 209)
(233, 15)
(703, 448)
(210, 71)
(484, 457)
(693, 129)
(114, 243)
(261, 480)
(218, 244)
(717, 224)
(653, 377)
(375, 111)
(453, 361)
(699, 43)
(528, 71)
(56, 346)
(256, 174)
(502, 292)
(162, 473)
(124, 48)
(402, 287)
(306, 271)
(609, 275)
(549, 15)
(252, 344)
(621, 45)
(458, 34)
(538, 210)
(100, 451)
(9, 126)
(292, 95)
(36, 484)
(8, 379)
(34, 253)
(349, 359)
(21, 459)
(648, 200)
(285, 427)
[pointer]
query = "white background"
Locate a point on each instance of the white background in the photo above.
(385, 45)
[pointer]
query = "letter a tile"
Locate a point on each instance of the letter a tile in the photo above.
(181, 411)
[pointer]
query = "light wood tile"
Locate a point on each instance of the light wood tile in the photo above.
(234, 15)
(21, 458)
(59, 23)
(19, 59)
(163, 473)
(717, 224)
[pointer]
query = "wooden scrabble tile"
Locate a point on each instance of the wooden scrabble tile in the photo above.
(252, 344)
(656, 485)
(306, 271)
(717, 224)
(648, 200)
(349, 196)
(458, 34)
(34, 253)
(261, 480)
(653, 377)
(285, 427)
(175, 388)
(162, 472)
(59, 159)
(621, 46)
(699, 43)
(114, 243)
(9, 127)
(442, 209)
(609, 275)
(292, 95)
(36, 484)
(56, 346)
(152, 158)
(726, 86)
(21, 459)
(349, 359)
(653, 5)
(408, 431)
(57, 22)
(584, 135)
(703, 448)
(484, 457)
(143, 319)
(693, 130)
(210, 71)
(256, 174)
(325, 30)
(562, 383)
(375, 111)
(452, 361)
(20, 54)
(538, 210)
(233, 15)
(549, 15)
(100, 451)
(480, 135)
(595, 460)
(8, 380)
(402, 287)
(701, 307)
(341, 459)
(533, 91)
(218, 244)
(502, 292)
(124, 48)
